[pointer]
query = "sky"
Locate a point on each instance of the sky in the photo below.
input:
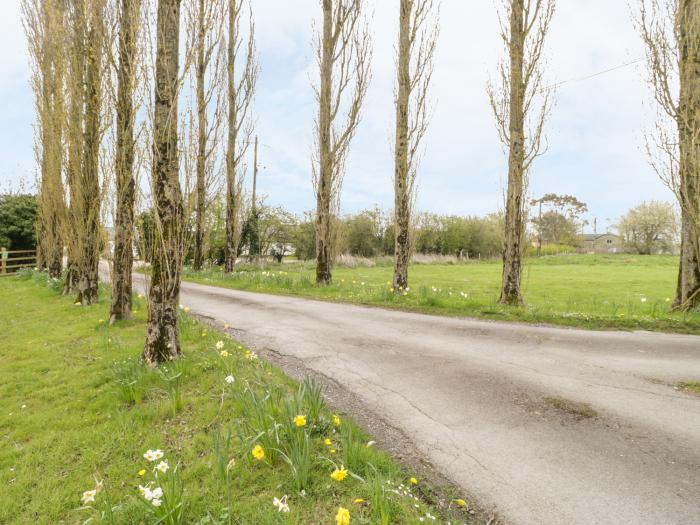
(595, 133)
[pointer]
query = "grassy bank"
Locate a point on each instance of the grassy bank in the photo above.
(220, 432)
(588, 291)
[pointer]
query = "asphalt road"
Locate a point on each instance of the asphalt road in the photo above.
(545, 425)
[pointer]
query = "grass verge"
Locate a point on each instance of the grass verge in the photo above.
(218, 437)
(586, 291)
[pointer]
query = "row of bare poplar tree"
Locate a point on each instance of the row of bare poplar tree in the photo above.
(100, 71)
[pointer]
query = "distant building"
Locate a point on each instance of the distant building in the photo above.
(602, 243)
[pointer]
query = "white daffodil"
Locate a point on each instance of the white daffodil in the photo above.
(219, 345)
(163, 466)
(157, 493)
(150, 455)
(88, 496)
(281, 504)
(229, 379)
(156, 502)
(158, 453)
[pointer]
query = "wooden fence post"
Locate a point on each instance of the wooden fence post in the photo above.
(3, 264)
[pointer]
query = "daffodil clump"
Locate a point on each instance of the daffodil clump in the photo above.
(163, 494)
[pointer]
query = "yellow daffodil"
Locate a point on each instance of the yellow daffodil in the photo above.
(328, 442)
(332, 451)
(142, 472)
(339, 474)
(186, 309)
(414, 481)
(359, 501)
(224, 353)
(336, 420)
(460, 502)
(343, 516)
(258, 452)
(300, 420)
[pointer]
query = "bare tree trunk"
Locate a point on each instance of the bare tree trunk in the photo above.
(76, 90)
(51, 197)
(232, 188)
(163, 338)
(232, 197)
(671, 34)
(402, 198)
(124, 168)
(343, 50)
(324, 253)
(89, 190)
(515, 224)
(688, 119)
(240, 96)
(43, 24)
(688, 287)
(200, 65)
(521, 85)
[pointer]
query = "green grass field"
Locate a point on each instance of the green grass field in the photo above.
(589, 291)
(78, 407)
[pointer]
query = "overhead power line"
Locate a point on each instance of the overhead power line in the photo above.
(593, 75)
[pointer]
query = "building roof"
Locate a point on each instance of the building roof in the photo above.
(595, 236)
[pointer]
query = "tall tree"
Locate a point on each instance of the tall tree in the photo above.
(416, 48)
(343, 53)
(163, 338)
(87, 191)
(76, 36)
(43, 24)
(205, 24)
(650, 228)
(670, 31)
(241, 89)
(520, 126)
(129, 16)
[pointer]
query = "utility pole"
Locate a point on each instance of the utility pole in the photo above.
(539, 233)
(255, 172)
(255, 239)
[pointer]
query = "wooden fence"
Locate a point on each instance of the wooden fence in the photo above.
(13, 260)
